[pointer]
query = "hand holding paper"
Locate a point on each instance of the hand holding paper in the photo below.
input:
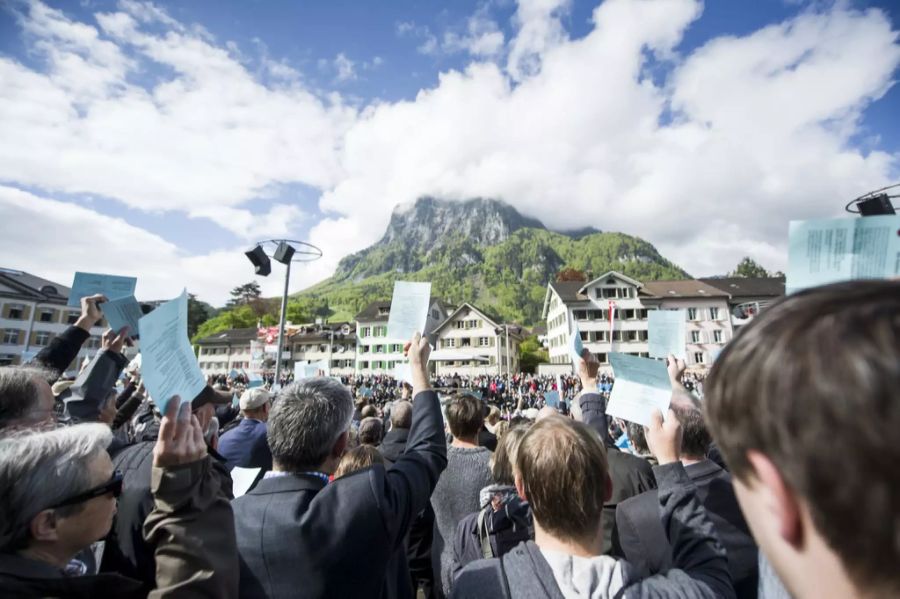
(123, 312)
(111, 286)
(642, 385)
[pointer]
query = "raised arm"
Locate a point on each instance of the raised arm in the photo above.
(64, 348)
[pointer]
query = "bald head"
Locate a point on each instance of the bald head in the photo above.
(401, 414)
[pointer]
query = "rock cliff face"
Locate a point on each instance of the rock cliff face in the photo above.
(484, 252)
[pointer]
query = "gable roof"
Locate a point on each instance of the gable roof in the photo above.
(569, 291)
(611, 273)
(492, 319)
(738, 287)
(231, 336)
(682, 288)
(26, 284)
(371, 312)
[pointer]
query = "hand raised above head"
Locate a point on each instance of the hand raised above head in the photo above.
(180, 436)
(664, 437)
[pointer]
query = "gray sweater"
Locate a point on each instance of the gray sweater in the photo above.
(456, 496)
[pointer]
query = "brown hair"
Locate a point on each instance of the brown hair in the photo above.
(812, 384)
(357, 459)
(562, 465)
(464, 415)
(504, 458)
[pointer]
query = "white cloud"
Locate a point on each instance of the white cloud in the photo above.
(346, 68)
(744, 134)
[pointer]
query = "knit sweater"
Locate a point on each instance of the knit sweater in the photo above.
(454, 497)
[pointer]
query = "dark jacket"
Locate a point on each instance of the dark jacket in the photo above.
(630, 474)
(62, 349)
(507, 518)
(246, 446)
(393, 445)
(640, 538)
(487, 439)
(94, 385)
(23, 577)
(126, 551)
(702, 568)
(299, 537)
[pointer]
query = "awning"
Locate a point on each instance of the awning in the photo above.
(456, 355)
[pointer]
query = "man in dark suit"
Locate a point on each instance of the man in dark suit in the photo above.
(639, 536)
(245, 445)
(301, 536)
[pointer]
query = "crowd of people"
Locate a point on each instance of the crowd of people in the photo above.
(774, 476)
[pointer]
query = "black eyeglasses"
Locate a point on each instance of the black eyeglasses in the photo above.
(113, 485)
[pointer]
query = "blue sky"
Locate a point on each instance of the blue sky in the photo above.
(201, 126)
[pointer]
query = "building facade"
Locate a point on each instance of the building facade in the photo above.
(611, 313)
(32, 312)
(226, 351)
(334, 343)
(469, 342)
(375, 353)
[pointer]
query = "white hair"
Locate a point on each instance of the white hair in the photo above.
(39, 469)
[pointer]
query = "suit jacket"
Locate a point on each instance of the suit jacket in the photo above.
(639, 536)
(246, 446)
(298, 537)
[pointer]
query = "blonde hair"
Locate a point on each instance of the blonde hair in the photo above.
(357, 459)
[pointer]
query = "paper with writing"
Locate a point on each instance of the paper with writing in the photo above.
(124, 311)
(666, 333)
(168, 364)
(642, 385)
(409, 310)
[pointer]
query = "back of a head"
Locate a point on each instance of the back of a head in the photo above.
(562, 466)
(812, 383)
(20, 395)
(464, 416)
(306, 421)
(695, 436)
(493, 415)
(504, 458)
(358, 458)
(368, 412)
(401, 414)
(39, 469)
(370, 431)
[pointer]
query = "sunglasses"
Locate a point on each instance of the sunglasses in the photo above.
(113, 485)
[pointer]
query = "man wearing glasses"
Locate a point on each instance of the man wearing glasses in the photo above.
(58, 495)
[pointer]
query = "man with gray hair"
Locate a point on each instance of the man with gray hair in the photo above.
(26, 399)
(301, 535)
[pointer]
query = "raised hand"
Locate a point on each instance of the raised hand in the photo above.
(90, 311)
(664, 437)
(180, 437)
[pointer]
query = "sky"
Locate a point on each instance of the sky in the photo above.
(162, 140)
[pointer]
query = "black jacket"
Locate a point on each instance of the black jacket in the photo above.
(23, 577)
(702, 570)
(487, 439)
(640, 538)
(393, 445)
(630, 474)
(299, 537)
(62, 349)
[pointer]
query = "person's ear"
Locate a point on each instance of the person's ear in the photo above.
(520, 487)
(43, 527)
(340, 446)
(779, 499)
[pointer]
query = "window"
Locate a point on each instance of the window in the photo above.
(46, 316)
(365, 331)
(363, 364)
(41, 338)
(483, 342)
(72, 317)
(11, 337)
(695, 336)
(629, 314)
(450, 342)
(717, 336)
(714, 314)
(692, 313)
(617, 335)
(602, 358)
(609, 293)
(466, 342)
(16, 311)
(698, 357)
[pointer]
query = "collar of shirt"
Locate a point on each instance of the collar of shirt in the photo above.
(273, 474)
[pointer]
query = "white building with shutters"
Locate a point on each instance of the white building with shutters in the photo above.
(32, 312)
(708, 306)
(470, 342)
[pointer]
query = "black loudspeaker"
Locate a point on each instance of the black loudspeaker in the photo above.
(260, 261)
(876, 205)
(284, 253)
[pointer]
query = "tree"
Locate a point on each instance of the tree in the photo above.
(244, 294)
(198, 313)
(531, 354)
(571, 274)
(748, 268)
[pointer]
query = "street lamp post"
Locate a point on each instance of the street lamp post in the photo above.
(285, 251)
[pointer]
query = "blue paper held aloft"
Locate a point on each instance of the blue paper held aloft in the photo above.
(112, 286)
